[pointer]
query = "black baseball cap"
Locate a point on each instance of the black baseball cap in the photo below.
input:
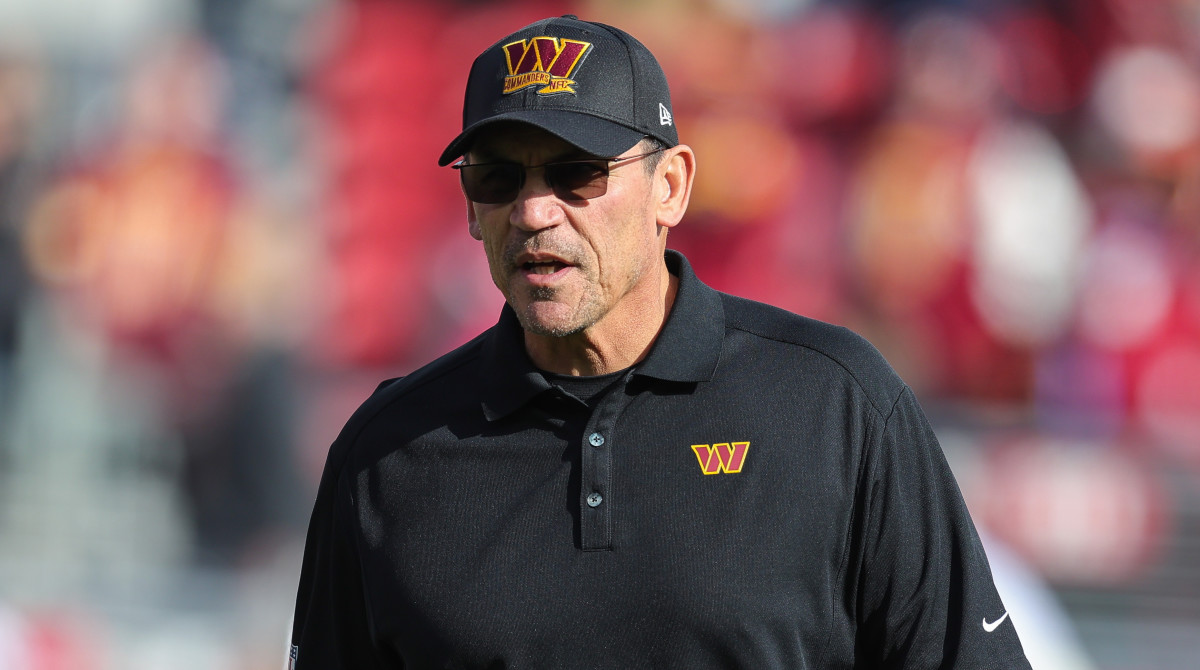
(591, 84)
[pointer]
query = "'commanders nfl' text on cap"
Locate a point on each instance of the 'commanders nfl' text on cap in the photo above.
(588, 83)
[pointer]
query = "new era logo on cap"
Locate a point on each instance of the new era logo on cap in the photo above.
(590, 84)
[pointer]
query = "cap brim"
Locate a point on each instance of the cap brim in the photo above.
(592, 134)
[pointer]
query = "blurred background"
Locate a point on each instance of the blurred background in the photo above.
(221, 225)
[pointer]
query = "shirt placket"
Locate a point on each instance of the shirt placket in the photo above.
(597, 493)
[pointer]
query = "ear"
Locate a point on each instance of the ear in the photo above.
(473, 226)
(675, 174)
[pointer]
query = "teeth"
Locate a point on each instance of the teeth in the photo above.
(543, 268)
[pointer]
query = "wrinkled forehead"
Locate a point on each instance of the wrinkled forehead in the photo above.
(522, 143)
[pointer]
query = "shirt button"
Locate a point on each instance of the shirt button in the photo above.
(594, 500)
(596, 440)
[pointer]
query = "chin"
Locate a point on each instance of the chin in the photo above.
(540, 318)
(549, 328)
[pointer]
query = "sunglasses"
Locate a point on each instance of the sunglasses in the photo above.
(499, 182)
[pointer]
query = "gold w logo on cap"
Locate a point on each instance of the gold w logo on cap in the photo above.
(543, 61)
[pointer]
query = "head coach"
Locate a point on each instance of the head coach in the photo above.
(631, 469)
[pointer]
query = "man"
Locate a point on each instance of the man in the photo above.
(630, 469)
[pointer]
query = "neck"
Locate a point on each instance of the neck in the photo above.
(618, 341)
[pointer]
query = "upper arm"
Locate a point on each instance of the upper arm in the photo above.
(332, 625)
(925, 586)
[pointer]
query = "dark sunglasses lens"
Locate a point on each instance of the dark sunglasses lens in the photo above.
(492, 184)
(578, 180)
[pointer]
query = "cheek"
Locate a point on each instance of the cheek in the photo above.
(489, 232)
(629, 249)
(494, 249)
(493, 246)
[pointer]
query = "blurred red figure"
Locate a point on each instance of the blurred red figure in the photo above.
(136, 236)
(380, 89)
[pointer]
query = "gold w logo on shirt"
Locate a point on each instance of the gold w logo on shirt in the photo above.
(721, 457)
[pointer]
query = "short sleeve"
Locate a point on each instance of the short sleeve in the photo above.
(331, 629)
(926, 597)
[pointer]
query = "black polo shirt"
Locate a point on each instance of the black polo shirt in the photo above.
(762, 491)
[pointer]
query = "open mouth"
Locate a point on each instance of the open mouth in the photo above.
(543, 267)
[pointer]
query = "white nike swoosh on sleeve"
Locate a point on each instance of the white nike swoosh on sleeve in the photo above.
(989, 627)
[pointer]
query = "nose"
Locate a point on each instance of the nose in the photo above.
(536, 206)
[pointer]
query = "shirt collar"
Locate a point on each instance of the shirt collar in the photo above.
(687, 349)
(689, 346)
(509, 378)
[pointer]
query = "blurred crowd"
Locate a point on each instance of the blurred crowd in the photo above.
(221, 224)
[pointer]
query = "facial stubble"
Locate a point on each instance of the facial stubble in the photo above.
(589, 310)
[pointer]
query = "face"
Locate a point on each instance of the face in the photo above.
(566, 265)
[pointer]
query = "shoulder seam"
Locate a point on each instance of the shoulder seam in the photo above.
(351, 440)
(904, 389)
(872, 430)
(878, 410)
